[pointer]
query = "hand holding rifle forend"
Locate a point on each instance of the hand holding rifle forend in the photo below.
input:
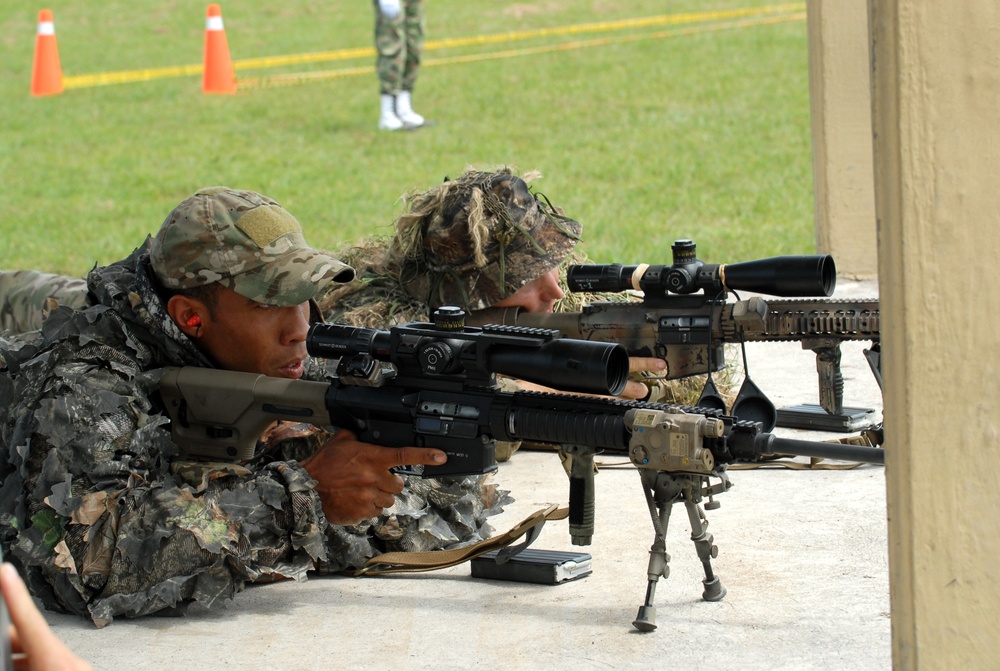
(434, 385)
(685, 318)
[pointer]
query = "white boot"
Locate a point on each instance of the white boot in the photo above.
(405, 112)
(388, 119)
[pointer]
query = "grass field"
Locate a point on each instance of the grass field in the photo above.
(683, 123)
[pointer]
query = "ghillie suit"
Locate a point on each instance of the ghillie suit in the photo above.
(468, 242)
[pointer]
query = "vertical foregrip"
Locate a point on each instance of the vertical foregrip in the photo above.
(581, 497)
(831, 381)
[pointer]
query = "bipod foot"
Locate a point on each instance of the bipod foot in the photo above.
(714, 591)
(705, 547)
(646, 619)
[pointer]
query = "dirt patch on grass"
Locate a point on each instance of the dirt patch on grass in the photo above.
(522, 9)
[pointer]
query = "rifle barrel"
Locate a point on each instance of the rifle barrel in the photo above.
(807, 448)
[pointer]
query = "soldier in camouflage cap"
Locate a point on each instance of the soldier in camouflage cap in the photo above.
(100, 511)
(245, 242)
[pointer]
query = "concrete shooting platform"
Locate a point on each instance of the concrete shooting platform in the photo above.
(802, 554)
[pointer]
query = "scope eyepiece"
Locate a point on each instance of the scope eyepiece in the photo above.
(609, 277)
(332, 341)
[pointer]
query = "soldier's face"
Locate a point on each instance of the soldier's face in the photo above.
(539, 295)
(243, 335)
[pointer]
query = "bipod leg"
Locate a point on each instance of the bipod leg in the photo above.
(661, 491)
(703, 541)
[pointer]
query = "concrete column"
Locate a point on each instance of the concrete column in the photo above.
(936, 117)
(840, 108)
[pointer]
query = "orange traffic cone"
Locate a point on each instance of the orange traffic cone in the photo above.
(217, 76)
(46, 74)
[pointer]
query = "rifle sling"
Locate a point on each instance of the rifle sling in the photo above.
(415, 562)
(815, 464)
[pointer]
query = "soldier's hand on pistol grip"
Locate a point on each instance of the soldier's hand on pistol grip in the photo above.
(353, 478)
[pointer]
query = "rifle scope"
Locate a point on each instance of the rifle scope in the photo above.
(448, 350)
(777, 276)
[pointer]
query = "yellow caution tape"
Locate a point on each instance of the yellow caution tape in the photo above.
(129, 76)
(303, 77)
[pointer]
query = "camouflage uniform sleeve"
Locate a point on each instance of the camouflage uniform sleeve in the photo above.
(26, 297)
(106, 524)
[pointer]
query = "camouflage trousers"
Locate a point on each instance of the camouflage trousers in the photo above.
(399, 43)
(27, 296)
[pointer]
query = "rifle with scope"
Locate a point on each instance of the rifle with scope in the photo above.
(686, 319)
(434, 385)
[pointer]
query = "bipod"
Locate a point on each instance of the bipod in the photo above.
(662, 490)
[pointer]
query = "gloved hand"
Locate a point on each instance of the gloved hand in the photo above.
(389, 8)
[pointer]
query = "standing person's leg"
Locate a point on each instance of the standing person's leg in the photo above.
(390, 43)
(414, 26)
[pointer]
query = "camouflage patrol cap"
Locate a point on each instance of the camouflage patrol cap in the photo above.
(244, 241)
(473, 241)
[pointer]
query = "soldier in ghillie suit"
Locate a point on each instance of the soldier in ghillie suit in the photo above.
(98, 509)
